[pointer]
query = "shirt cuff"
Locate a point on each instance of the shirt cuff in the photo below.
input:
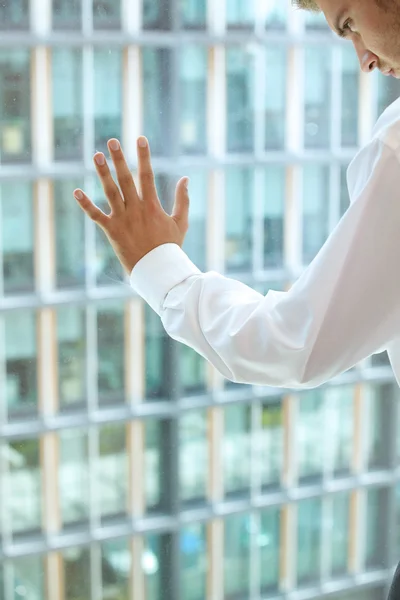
(154, 276)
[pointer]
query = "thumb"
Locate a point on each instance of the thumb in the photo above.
(180, 211)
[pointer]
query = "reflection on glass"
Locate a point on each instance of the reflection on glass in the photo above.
(310, 435)
(71, 339)
(195, 243)
(153, 463)
(17, 235)
(107, 97)
(157, 81)
(339, 533)
(109, 270)
(237, 449)
(21, 363)
(237, 531)
(350, 96)
(193, 456)
(309, 525)
(110, 353)
(317, 92)
(157, 14)
(377, 396)
(274, 215)
(193, 13)
(239, 219)
(315, 210)
(270, 445)
(15, 108)
(69, 228)
(193, 546)
(107, 14)
(240, 100)
(28, 578)
(14, 15)
(25, 485)
(155, 355)
(269, 543)
(375, 515)
(77, 573)
(240, 14)
(151, 565)
(115, 569)
(275, 98)
(340, 419)
(67, 104)
(193, 99)
(112, 471)
(73, 476)
(67, 14)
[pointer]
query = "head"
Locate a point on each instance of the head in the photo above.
(373, 26)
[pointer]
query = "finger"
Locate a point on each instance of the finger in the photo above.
(145, 170)
(90, 209)
(115, 200)
(124, 176)
(180, 211)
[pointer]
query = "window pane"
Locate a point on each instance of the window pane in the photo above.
(152, 463)
(194, 13)
(193, 454)
(388, 91)
(73, 477)
(112, 471)
(77, 573)
(14, 14)
(344, 192)
(375, 527)
(107, 14)
(240, 14)
(15, 109)
(25, 486)
(110, 357)
(17, 234)
(157, 14)
(315, 21)
(67, 14)
(376, 447)
(69, 230)
(28, 578)
(236, 449)
(108, 269)
(350, 92)
(67, 104)
(193, 545)
(317, 90)
(193, 99)
(273, 215)
(275, 14)
(240, 100)
(340, 419)
(107, 97)
(71, 338)
(195, 243)
(151, 565)
(193, 371)
(339, 531)
(269, 544)
(309, 541)
(275, 99)
(157, 82)
(237, 556)
(239, 219)
(155, 351)
(310, 435)
(21, 363)
(315, 210)
(269, 446)
(115, 569)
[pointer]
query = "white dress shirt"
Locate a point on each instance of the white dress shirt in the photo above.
(343, 308)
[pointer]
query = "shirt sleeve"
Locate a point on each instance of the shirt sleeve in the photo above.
(343, 308)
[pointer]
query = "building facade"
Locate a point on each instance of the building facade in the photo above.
(130, 469)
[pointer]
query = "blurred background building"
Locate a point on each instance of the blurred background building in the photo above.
(130, 469)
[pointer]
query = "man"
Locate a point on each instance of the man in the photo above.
(344, 307)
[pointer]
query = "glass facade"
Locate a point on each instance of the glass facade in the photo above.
(129, 468)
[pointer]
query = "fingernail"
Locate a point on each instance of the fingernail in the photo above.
(100, 159)
(78, 195)
(142, 142)
(114, 145)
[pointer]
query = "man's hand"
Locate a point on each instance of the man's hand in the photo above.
(137, 222)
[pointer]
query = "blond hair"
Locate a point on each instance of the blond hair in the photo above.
(307, 5)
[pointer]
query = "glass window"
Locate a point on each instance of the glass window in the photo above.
(193, 99)
(25, 486)
(157, 90)
(193, 456)
(153, 463)
(17, 234)
(397, 523)
(315, 21)
(111, 353)
(309, 541)
(375, 527)
(156, 346)
(237, 449)
(115, 569)
(67, 14)
(193, 371)
(195, 243)
(77, 573)
(240, 100)
(69, 229)
(275, 98)
(112, 471)
(237, 556)
(274, 215)
(364, 594)
(151, 565)
(310, 435)
(157, 14)
(344, 191)
(376, 447)
(239, 219)
(269, 446)
(14, 14)
(340, 419)
(15, 108)
(350, 96)
(240, 14)
(315, 210)
(73, 477)
(388, 89)
(269, 544)
(67, 80)
(275, 14)
(21, 363)
(193, 546)
(317, 92)
(107, 97)
(193, 13)
(107, 14)
(28, 578)
(71, 340)
(109, 270)
(339, 533)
